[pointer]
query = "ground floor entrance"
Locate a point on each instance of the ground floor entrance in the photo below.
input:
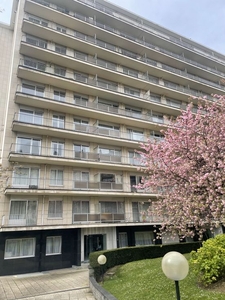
(93, 242)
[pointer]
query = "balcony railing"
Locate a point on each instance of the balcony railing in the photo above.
(108, 108)
(112, 86)
(65, 153)
(99, 217)
(112, 66)
(48, 123)
(145, 27)
(22, 220)
(142, 42)
(115, 218)
(56, 181)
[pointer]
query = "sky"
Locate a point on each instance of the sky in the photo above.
(5, 11)
(202, 21)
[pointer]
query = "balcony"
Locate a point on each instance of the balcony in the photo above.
(99, 218)
(30, 73)
(72, 187)
(116, 218)
(102, 111)
(63, 129)
(153, 32)
(22, 220)
(146, 27)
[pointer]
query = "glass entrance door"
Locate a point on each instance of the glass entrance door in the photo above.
(95, 242)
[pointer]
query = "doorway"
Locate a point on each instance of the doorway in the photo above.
(93, 242)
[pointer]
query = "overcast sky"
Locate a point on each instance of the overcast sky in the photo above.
(200, 20)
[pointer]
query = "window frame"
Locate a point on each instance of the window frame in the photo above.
(21, 241)
(53, 238)
(55, 214)
(54, 181)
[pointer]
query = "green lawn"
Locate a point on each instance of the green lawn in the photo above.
(144, 280)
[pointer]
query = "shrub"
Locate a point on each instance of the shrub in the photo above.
(124, 255)
(208, 262)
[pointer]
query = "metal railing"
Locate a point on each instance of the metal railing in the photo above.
(112, 86)
(20, 118)
(154, 31)
(65, 153)
(58, 182)
(169, 38)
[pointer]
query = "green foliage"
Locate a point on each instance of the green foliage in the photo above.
(145, 280)
(208, 262)
(122, 256)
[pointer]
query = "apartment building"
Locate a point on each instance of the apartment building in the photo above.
(84, 82)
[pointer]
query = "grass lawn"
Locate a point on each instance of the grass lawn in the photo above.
(145, 280)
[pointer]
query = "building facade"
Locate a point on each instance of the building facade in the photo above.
(86, 83)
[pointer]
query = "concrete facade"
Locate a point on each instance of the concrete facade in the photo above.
(88, 82)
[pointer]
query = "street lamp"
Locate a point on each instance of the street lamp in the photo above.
(102, 260)
(175, 267)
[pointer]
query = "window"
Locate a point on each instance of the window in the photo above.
(140, 211)
(135, 135)
(107, 178)
(60, 49)
(81, 100)
(133, 112)
(60, 29)
(81, 180)
(81, 151)
(26, 177)
(34, 64)
(56, 177)
(33, 89)
(131, 91)
(173, 103)
(109, 85)
(123, 240)
(80, 207)
(135, 180)
(80, 77)
(143, 238)
(28, 146)
(59, 96)
(59, 71)
(111, 130)
(31, 116)
(106, 64)
(130, 72)
(134, 158)
(80, 124)
(53, 245)
(38, 20)
(156, 135)
(36, 41)
(58, 149)
(18, 248)
(81, 176)
(55, 209)
(58, 121)
(111, 207)
(156, 117)
(108, 106)
(153, 79)
(23, 212)
(155, 97)
(109, 151)
(80, 55)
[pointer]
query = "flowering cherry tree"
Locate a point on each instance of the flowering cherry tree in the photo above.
(187, 170)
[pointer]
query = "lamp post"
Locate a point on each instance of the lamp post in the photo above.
(175, 267)
(102, 261)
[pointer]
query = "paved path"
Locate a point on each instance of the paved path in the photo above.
(65, 284)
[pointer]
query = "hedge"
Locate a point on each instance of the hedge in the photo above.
(122, 256)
